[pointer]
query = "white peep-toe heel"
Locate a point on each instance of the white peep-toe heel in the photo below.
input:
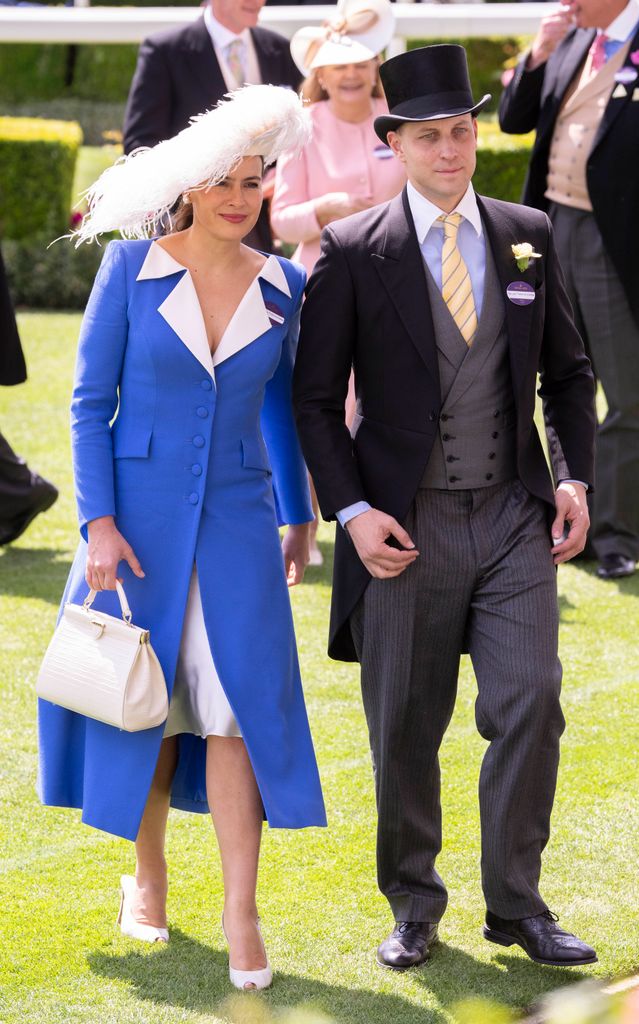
(128, 925)
(251, 980)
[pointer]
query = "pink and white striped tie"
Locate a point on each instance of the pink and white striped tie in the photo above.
(598, 52)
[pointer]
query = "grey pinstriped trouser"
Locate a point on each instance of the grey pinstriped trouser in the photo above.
(484, 581)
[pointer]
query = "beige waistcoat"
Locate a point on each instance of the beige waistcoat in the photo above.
(575, 130)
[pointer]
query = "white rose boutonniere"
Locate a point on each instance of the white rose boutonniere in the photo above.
(523, 254)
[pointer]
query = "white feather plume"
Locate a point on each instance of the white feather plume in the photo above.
(137, 191)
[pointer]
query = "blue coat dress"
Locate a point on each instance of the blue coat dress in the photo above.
(200, 464)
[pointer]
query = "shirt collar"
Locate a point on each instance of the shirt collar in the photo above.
(220, 35)
(426, 213)
(624, 24)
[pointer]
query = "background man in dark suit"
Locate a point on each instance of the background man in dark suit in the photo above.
(23, 494)
(446, 328)
(578, 86)
(185, 71)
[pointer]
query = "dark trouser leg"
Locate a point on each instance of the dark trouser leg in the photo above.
(22, 493)
(613, 339)
(408, 632)
(513, 628)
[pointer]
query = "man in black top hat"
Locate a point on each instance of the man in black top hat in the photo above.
(447, 304)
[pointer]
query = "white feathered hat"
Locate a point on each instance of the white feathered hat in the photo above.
(358, 31)
(134, 194)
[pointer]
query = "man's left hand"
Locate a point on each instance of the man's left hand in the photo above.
(572, 511)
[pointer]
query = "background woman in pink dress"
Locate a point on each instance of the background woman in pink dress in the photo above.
(344, 168)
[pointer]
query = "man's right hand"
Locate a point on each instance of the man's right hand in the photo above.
(369, 532)
(553, 28)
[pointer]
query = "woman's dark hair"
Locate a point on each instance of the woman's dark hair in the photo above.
(183, 216)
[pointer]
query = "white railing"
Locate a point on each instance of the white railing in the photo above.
(132, 24)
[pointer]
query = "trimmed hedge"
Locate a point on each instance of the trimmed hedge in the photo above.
(100, 72)
(37, 164)
(59, 277)
(502, 162)
(103, 73)
(100, 122)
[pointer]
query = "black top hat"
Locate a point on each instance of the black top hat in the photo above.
(424, 84)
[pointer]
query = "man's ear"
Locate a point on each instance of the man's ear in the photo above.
(394, 141)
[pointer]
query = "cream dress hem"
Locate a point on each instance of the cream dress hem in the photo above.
(199, 704)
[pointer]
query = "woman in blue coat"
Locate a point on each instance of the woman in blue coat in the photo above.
(186, 461)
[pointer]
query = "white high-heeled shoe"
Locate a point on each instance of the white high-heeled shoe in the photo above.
(251, 980)
(128, 925)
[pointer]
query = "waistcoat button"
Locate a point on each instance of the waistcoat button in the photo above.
(194, 498)
(206, 385)
(196, 469)
(202, 412)
(199, 441)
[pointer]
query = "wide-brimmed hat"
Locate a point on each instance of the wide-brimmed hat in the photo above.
(134, 195)
(358, 31)
(425, 84)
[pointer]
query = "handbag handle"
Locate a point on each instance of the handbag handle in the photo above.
(127, 614)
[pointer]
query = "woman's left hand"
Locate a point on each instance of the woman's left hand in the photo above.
(295, 548)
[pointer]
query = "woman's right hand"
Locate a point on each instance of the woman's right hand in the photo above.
(335, 205)
(107, 548)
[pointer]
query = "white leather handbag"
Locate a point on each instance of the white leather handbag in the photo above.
(105, 668)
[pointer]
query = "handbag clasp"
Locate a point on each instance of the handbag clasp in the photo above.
(101, 626)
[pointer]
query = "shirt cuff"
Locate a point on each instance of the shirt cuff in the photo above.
(346, 514)
(569, 480)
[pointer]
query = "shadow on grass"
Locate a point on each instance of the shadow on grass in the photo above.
(33, 572)
(627, 584)
(192, 976)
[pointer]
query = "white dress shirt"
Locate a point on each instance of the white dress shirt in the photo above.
(221, 37)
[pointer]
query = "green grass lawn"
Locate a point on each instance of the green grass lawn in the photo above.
(61, 959)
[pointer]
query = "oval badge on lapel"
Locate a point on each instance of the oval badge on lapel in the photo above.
(275, 314)
(521, 293)
(627, 76)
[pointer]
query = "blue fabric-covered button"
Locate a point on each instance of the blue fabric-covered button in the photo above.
(199, 441)
(194, 498)
(196, 469)
(206, 385)
(202, 412)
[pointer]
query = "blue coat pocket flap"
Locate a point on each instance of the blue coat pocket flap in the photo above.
(254, 454)
(131, 443)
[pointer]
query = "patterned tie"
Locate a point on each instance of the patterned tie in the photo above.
(597, 53)
(457, 289)
(235, 61)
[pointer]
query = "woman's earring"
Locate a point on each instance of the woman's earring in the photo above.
(186, 198)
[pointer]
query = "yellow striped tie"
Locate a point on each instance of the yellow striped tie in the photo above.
(457, 289)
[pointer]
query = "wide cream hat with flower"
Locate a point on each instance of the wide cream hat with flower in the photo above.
(358, 31)
(138, 192)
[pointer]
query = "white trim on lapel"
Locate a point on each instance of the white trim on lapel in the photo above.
(250, 320)
(181, 308)
(182, 311)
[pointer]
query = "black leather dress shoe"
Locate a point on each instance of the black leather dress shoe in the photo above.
(40, 497)
(614, 567)
(408, 945)
(541, 938)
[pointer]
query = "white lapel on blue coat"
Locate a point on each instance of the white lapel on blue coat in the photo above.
(181, 308)
(251, 318)
(182, 311)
